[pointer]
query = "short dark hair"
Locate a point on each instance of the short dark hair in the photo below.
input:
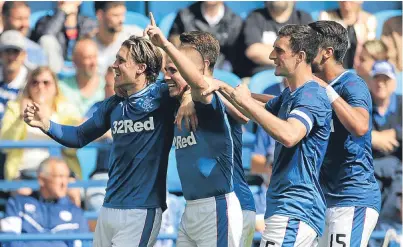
(104, 6)
(302, 38)
(205, 43)
(9, 5)
(143, 51)
(332, 34)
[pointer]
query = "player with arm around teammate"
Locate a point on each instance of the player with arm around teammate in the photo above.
(299, 120)
(347, 175)
(205, 157)
(142, 130)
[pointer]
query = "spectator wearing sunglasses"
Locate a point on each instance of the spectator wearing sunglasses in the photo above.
(42, 89)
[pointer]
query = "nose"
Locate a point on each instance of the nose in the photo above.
(272, 55)
(167, 76)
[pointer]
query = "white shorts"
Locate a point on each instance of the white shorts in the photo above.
(210, 222)
(248, 231)
(283, 231)
(348, 226)
(127, 227)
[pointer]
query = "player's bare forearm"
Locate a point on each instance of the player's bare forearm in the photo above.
(264, 98)
(258, 53)
(354, 119)
(189, 72)
(289, 132)
(233, 111)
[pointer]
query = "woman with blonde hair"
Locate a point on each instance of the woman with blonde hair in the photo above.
(372, 51)
(42, 89)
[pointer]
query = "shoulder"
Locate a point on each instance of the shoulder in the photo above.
(312, 94)
(13, 106)
(257, 14)
(231, 15)
(303, 16)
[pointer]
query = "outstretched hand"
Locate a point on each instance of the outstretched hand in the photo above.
(155, 34)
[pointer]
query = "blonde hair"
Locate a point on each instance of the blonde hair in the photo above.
(35, 73)
(376, 49)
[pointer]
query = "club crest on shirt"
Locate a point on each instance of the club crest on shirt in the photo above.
(65, 215)
(146, 103)
(29, 207)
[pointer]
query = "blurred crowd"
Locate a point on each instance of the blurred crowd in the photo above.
(63, 64)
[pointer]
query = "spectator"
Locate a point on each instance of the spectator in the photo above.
(1, 18)
(361, 26)
(260, 32)
(13, 73)
(42, 89)
(392, 37)
(86, 87)
(111, 32)
(16, 17)
(213, 17)
(386, 133)
(49, 211)
(372, 50)
(59, 32)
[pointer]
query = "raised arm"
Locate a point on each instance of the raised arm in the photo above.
(184, 65)
(69, 136)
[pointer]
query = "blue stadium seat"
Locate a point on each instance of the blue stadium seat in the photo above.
(38, 15)
(133, 18)
(383, 16)
(162, 8)
(315, 15)
(399, 87)
(312, 6)
(174, 183)
(260, 81)
(88, 161)
(227, 77)
(166, 23)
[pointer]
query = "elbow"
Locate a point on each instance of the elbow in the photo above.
(289, 141)
(360, 130)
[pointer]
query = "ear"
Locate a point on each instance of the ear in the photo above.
(301, 57)
(206, 67)
(41, 180)
(328, 52)
(141, 68)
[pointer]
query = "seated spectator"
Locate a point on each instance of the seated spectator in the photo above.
(13, 73)
(111, 31)
(213, 17)
(361, 26)
(59, 32)
(86, 87)
(387, 128)
(42, 89)
(392, 37)
(372, 50)
(49, 211)
(260, 32)
(16, 16)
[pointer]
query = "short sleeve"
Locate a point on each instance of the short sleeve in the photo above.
(312, 107)
(252, 30)
(273, 105)
(356, 94)
(177, 27)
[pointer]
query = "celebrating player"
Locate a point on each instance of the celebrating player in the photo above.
(142, 129)
(205, 158)
(347, 176)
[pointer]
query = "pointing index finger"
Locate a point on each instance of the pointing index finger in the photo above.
(152, 20)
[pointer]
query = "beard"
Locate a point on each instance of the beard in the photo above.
(114, 28)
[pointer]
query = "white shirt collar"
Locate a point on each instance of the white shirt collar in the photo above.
(212, 21)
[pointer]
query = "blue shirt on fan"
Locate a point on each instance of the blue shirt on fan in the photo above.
(347, 175)
(142, 130)
(294, 189)
(205, 158)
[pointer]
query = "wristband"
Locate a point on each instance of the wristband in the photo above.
(331, 94)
